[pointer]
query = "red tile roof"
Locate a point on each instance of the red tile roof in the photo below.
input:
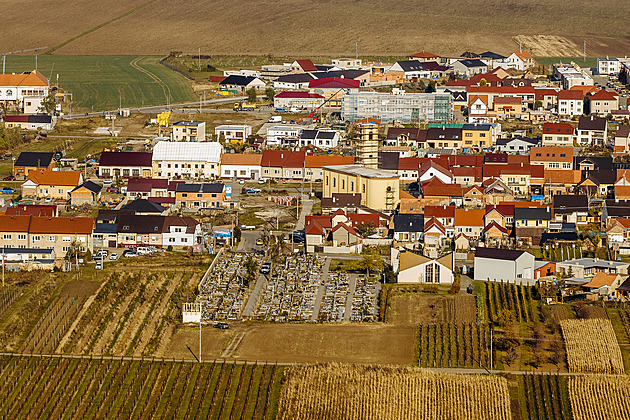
(32, 209)
(604, 95)
(293, 95)
(409, 163)
(558, 128)
(439, 211)
(61, 225)
(283, 158)
(62, 178)
(334, 83)
(469, 217)
(327, 160)
(12, 223)
(307, 65)
(424, 54)
(142, 159)
(504, 209)
(576, 95)
(433, 222)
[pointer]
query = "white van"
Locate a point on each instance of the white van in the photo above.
(275, 119)
(107, 183)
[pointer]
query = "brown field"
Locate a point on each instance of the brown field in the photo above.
(377, 392)
(599, 397)
(317, 28)
(413, 309)
(592, 346)
(309, 343)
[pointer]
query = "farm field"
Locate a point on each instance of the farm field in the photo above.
(449, 27)
(412, 308)
(367, 392)
(454, 345)
(77, 388)
(311, 343)
(585, 338)
(545, 396)
(107, 82)
(599, 397)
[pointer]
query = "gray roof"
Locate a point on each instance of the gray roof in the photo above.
(105, 228)
(188, 123)
(594, 263)
(473, 63)
(317, 134)
(361, 170)
(143, 206)
(498, 254)
(411, 65)
(34, 159)
(10, 250)
(531, 214)
(295, 78)
(409, 223)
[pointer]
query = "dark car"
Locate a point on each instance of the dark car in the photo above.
(9, 178)
(221, 325)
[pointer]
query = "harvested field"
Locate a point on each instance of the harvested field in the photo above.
(599, 397)
(92, 388)
(591, 346)
(411, 309)
(311, 343)
(376, 392)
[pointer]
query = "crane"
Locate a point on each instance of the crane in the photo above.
(312, 114)
(4, 56)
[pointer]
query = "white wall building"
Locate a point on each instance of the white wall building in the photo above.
(414, 268)
(186, 160)
(504, 265)
(277, 133)
(233, 133)
(189, 131)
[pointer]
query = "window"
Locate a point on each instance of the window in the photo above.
(65, 248)
(51, 238)
(468, 134)
(437, 273)
(326, 180)
(428, 277)
(66, 239)
(7, 237)
(184, 194)
(22, 237)
(36, 237)
(60, 190)
(343, 183)
(334, 182)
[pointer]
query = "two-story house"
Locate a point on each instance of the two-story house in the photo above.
(54, 185)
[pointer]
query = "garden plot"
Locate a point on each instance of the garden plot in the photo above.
(291, 292)
(224, 293)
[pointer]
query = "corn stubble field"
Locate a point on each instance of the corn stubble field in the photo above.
(592, 346)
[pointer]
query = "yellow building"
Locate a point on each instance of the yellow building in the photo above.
(366, 144)
(478, 136)
(378, 189)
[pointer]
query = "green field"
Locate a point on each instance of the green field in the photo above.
(107, 82)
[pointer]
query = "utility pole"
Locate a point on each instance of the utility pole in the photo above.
(584, 50)
(199, 58)
(520, 44)
(356, 50)
(200, 313)
(491, 361)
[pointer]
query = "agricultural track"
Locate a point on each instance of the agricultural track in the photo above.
(164, 86)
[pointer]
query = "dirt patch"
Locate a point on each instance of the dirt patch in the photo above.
(414, 309)
(80, 288)
(548, 46)
(310, 343)
(213, 342)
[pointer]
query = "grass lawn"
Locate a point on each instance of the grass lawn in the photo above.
(622, 337)
(107, 82)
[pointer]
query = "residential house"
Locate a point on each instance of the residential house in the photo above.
(181, 231)
(444, 137)
(186, 160)
(589, 267)
(410, 69)
(134, 230)
(602, 103)
(189, 131)
(435, 237)
(552, 157)
(425, 56)
(560, 182)
(408, 168)
(61, 233)
(151, 187)
(443, 214)
(445, 193)
(571, 209)
(413, 268)
(142, 207)
(618, 231)
(54, 185)
(403, 136)
(232, 133)
(473, 196)
(303, 66)
(517, 144)
(241, 166)
(518, 61)
(604, 284)
(478, 136)
(48, 210)
(86, 193)
(283, 164)
(322, 139)
(504, 265)
(469, 67)
(125, 165)
(32, 161)
(24, 92)
(508, 106)
(615, 209)
(469, 222)
(299, 100)
(242, 83)
(379, 189)
(346, 202)
(429, 169)
(592, 131)
(622, 141)
(558, 134)
(196, 197)
(104, 235)
(333, 88)
(293, 82)
(477, 106)
(345, 236)
(501, 214)
(622, 185)
(408, 227)
(30, 122)
(608, 66)
(496, 191)
(14, 231)
(467, 176)
(284, 134)
(531, 222)
(570, 103)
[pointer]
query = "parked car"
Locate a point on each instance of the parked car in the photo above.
(114, 256)
(7, 190)
(9, 178)
(113, 190)
(221, 325)
(242, 181)
(129, 253)
(262, 180)
(253, 190)
(99, 266)
(101, 254)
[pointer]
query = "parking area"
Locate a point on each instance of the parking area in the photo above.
(224, 293)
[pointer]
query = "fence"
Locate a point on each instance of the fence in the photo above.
(165, 64)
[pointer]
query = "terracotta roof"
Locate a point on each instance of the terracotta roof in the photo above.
(473, 98)
(558, 128)
(409, 163)
(33, 78)
(146, 184)
(508, 100)
(551, 154)
(283, 158)
(577, 95)
(12, 223)
(424, 54)
(529, 90)
(241, 159)
(217, 79)
(503, 209)
(601, 279)
(469, 217)
(428, 165)
(416, 205)
(61, 225)
(434, 223)
(524, 55)
(33, 210)
(439, 211)
(494, 224)
(62, 178)
(327, 160)
(368, 219)
(307, 65)
(604, 95)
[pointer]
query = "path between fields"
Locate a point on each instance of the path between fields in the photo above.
(134, 63)
(78, 318)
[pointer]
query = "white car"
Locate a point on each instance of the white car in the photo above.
(262, 180)
(99, 266)
(242, 181)
(113, 257)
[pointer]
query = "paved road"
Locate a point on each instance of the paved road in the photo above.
(161, 108)
(252, 302)
(321, 290)
(248, 241)
(352, 287)
(307, 208)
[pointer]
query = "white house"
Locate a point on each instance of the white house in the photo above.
(592, 131)
(469, 67)
(504, 265)
(277, 133)
(570, 103)
(233, 133)
(430, 169)
(241, 166)
(181, 231)
(411, 69)
(242, 83)
(189, 131)
(518, 61)
(186, 160)
(414, 268)
(24, 91)
(607, 66)
(319, 138)
(300, 100)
